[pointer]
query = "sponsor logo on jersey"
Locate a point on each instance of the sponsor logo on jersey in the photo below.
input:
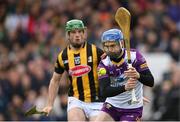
(77, 60)
(142, 66)
(79, 70)
(90, 59)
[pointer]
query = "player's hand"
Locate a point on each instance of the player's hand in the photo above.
(132, 73)
(47, 109)
(131, 84)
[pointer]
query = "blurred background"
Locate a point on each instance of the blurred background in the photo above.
(32, 34)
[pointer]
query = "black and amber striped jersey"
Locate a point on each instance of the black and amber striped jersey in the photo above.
(81, 66)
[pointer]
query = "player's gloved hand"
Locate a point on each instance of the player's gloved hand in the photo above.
(47, 109)
(131, 83)
(132, 73)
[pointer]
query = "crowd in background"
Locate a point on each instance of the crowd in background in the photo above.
(32, 34)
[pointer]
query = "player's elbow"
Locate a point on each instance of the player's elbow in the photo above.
(104, 83)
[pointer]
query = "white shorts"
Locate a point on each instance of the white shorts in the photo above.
(90, 109)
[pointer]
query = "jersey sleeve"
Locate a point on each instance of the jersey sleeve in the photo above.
(59, 67)
(140, 63)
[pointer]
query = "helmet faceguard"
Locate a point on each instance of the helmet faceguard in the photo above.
(109, 39)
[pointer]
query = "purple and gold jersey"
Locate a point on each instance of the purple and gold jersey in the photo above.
(115, 71)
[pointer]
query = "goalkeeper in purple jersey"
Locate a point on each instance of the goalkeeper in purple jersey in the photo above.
(117, 80)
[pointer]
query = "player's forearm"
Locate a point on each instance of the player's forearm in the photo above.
(146, 78)
(53, 89)
(113, 91)
(109, 91)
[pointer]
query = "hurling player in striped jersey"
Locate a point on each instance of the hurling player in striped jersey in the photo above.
(79, 61)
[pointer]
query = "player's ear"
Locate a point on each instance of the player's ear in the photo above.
(85, 30)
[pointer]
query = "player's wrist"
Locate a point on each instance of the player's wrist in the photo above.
(50, 104)
(126, 87)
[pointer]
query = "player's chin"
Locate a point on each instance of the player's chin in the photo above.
(77, 45)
